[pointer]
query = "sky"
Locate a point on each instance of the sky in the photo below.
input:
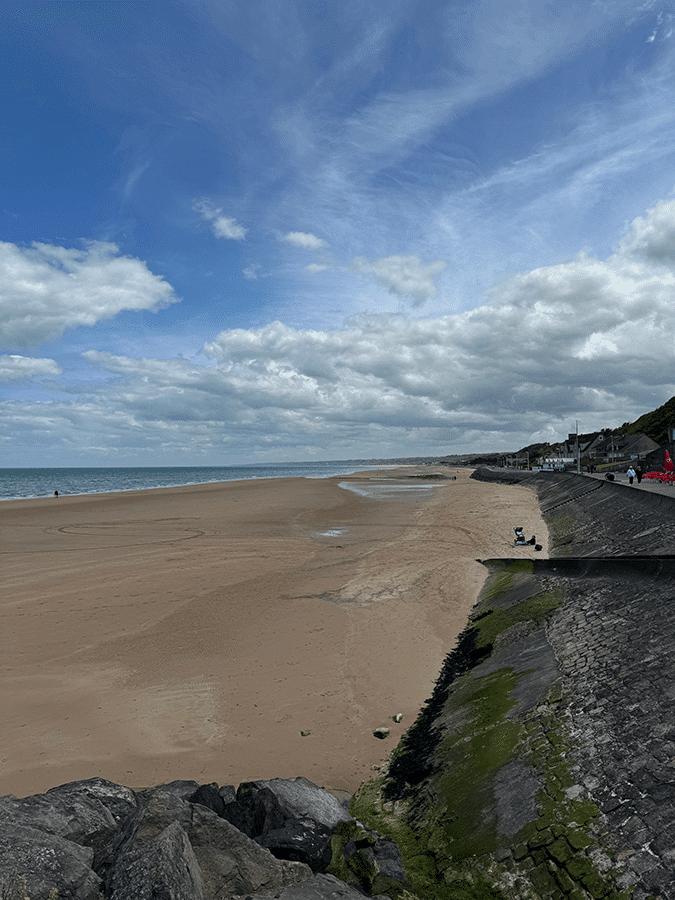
(242, 231)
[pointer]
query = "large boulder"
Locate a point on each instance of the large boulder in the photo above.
(34, 863)
(255, 811)
(84, 812)
(301, 798)
(177, 841)
(379, 853)
(231, 864)
(179, 787)
(164, 868)
(119, 800)
(303, 840)
(320, 887)
(292, 817)
(209, 796)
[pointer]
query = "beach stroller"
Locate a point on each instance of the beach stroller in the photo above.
(520, 538)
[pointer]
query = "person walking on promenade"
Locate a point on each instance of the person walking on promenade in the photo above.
(639, 473)
(631, 474)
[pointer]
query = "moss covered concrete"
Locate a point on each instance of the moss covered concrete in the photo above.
(454, 837)
(562, 533)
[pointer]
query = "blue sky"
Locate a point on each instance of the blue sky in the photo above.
(288, 229)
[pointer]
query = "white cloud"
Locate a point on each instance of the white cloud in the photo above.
(251, 272)
(313, 268)
(305, 240)
(597, 346)
(228, 228)
(45, 289)
(492, 47)
(406, 276)
(652, 238)
(589, 340)
(18, 368)
(222, 226)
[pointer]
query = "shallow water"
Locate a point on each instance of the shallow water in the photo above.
(392, 490)
(19, 483)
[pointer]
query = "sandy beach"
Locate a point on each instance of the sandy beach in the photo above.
(235, 631)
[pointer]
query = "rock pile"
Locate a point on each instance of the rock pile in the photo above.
(94, 839)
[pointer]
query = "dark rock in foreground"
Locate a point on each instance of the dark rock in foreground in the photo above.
(164, 867)
(321, 887)
(33, 863)
(93, 839)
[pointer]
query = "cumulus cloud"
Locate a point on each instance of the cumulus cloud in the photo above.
(222, 226)
(586, 338)
(45, 289)
(652, 238)
(19, 368)
(405, 276)
(590, 339)
(305, 240)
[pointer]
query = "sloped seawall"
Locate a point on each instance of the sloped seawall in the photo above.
(543, 765)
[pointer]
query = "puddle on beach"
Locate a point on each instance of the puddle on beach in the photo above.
(379, 491)
(331, 532)
(390, 491)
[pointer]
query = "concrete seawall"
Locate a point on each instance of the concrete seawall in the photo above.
(589, 516)
(543, 765)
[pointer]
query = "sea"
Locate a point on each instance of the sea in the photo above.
(18, 484)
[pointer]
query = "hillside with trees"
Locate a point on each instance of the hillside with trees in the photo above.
(654, 424)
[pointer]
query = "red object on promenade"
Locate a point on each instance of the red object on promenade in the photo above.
(668, 464)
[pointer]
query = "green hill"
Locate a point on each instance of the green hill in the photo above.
(654, 424)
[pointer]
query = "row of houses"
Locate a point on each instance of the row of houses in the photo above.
(598, 447)
(602, 446)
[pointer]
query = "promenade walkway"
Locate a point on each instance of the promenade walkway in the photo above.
(653, 487)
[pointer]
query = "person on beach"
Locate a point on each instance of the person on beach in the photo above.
(631, 474)
(56, 493)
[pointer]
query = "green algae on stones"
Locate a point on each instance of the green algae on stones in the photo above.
(562, 529)
(444, 817)
(534, 611)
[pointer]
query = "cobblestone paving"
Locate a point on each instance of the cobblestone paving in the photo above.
(614, 641)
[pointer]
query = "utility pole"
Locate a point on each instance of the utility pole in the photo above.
(577, 450)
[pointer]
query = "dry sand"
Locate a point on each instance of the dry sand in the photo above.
(236, 631)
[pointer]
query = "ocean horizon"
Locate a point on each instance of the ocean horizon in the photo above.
(33, 483)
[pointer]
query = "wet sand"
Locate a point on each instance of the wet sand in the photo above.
(236, 631)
